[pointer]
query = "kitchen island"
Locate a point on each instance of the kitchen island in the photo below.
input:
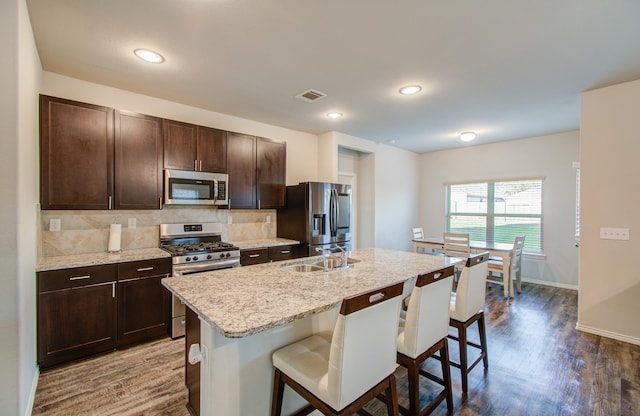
(246, 313)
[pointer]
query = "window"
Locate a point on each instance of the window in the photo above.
(496, 212)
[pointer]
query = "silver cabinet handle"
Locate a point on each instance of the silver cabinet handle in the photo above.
(183, 321)
(110, 199)
(201, 165)
(254, 255)
(285, 251)
(113, 290)
(87, 276)
(258, 204)
(195, 164)
(145, 269)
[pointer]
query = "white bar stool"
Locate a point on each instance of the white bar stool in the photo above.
(467, 307)
(423, 333)
(339, 373)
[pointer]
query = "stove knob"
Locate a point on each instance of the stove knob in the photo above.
(195, 258)
(221, 255)
(187, 259)
(209, 256)
(228, 254)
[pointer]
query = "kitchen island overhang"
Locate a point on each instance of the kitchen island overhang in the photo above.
(246, 313)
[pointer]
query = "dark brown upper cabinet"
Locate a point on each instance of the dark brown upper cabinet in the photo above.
(76, 155)
(191, 147)
(270, 173)
(138, 161)
(94, 157)
(257, 172)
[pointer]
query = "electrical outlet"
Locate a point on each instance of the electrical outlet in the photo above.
(614, 233)
(54, 224)
(132, 223)
(268, 219)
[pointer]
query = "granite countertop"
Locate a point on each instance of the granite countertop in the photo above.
(96, 259)
(263, 243)
(246, 300)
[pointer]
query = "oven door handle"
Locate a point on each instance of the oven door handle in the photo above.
(180, 269)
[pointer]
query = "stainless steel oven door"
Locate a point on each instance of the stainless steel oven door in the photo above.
(205, 266)
(177, 307)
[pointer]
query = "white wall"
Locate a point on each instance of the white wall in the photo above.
(302, 148)
(19, 79)
(388, 189)
(609, 300)
(548, 156)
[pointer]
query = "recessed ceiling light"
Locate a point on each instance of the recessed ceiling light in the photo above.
(410, 89)
(467, 136)
(149, 56)
(334, 115)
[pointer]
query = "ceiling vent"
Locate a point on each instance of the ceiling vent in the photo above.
(311, 95)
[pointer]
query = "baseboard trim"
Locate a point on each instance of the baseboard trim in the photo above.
(32, 393)
(608, 334)
(548, 283)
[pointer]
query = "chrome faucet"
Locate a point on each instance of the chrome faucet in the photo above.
(343, 256)
(326, 253)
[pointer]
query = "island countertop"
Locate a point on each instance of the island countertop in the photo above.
(243, 301)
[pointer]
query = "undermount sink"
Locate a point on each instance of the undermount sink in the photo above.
(316, 265)
(303, 268)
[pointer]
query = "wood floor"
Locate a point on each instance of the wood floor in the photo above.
(538, 365)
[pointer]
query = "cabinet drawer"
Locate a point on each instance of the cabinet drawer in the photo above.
(76, 277)
(144, 268)
(282, 252)
(254, 256)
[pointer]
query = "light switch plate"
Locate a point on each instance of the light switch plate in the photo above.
(607, 233)
(132, 223)
(268, 219)
(54, 224)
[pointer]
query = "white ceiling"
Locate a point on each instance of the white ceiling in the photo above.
(505, 69)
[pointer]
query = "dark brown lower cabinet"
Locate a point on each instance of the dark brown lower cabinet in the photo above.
(143, 311)
(76, 313)
(192, 371)
(88, 310)
(143, 303)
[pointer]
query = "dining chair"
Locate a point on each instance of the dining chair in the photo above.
(338, 373)
(423, 333)
(418, 233)
(467, 308)
(456, 245)
(495, 266)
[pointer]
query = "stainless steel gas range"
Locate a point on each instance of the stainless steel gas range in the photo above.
(194, 248)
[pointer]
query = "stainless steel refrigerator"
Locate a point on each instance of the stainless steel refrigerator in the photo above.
(318, 214)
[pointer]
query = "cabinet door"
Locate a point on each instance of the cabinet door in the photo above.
(270, 173)
(241, 166)
(76, 155)
(254, 256)
(143, 303)
(138, 161)
(180, 145)
(142, 310)
(192, 371)
(212, 150)
(277, 253)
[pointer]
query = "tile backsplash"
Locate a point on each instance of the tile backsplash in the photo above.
(87, 231)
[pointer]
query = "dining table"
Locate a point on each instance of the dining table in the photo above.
(502, 250)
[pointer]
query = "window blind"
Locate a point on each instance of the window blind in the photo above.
(497, 211)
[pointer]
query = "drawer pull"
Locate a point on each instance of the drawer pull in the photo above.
(254, 255)
(285, 251)
(88, 276)
(182, 322)
(145, 269)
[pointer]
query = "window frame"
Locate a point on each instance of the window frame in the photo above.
(490, 215)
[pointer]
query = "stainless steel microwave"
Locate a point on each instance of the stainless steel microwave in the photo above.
(183, 187)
